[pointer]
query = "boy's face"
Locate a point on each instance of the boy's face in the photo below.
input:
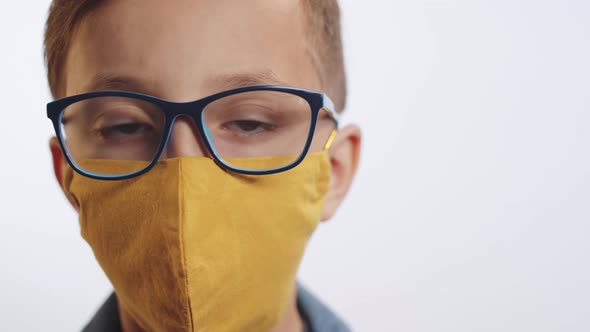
(196, 48)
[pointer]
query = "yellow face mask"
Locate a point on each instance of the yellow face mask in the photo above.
(191, 247)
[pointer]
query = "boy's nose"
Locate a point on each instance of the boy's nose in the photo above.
(185, 140)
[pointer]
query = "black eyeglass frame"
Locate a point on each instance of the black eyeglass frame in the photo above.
(317, 101)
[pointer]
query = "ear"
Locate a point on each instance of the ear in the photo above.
(344, 156)
(59, 165)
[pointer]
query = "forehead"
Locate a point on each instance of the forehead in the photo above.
(183, 50)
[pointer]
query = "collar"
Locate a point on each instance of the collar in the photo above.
(316, 316)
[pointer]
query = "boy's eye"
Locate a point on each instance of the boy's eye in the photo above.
(124, 129)
(247, 126)
(118, 126)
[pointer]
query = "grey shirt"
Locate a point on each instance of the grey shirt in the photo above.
(315, 315)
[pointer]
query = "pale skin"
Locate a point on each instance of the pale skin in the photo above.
(192, 49)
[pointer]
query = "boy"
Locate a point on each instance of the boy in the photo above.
(192, 141)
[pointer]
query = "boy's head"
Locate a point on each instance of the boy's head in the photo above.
(189, 49)
(182, 51)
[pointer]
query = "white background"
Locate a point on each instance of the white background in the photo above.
(471, 208)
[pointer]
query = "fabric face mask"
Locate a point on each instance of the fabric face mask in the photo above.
(190, 247)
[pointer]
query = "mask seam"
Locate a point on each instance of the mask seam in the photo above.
(181, 246)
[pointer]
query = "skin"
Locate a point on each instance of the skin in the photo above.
(194, 49)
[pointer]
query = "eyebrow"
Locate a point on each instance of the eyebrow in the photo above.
(235, 80)
(101, 82)
(215, 83)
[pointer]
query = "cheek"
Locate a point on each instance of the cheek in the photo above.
(58, 160)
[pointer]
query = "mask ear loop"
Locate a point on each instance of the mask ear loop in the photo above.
(330, 139)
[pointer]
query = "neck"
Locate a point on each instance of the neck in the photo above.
(290, 321)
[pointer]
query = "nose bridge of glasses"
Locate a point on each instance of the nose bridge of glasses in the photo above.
(192, 109)
(185, 138)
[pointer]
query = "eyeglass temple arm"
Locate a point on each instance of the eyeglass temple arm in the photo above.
(329, 107)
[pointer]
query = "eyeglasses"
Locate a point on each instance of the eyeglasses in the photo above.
(236, 126)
